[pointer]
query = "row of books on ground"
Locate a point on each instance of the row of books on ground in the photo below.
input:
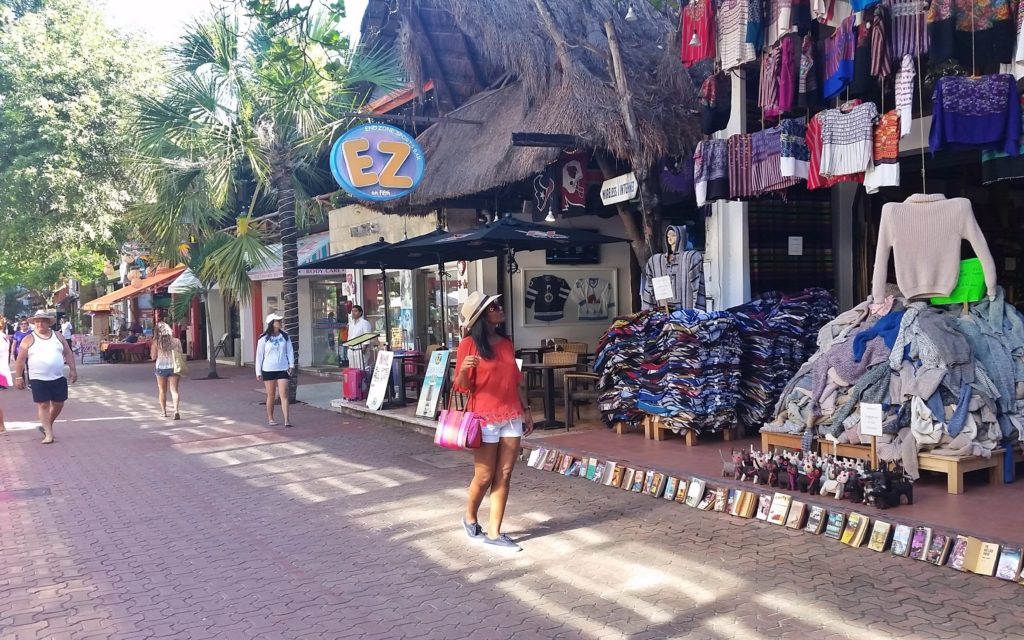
(963, 553)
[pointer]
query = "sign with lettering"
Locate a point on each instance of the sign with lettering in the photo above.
(380, 380)
(377, 162)
(433, 383)
(663, 289)
(619, 189)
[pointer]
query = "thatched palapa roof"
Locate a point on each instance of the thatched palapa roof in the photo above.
(497, 63)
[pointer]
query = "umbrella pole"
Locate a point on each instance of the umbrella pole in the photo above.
(442, 276)
(511, 318)
(389, 393)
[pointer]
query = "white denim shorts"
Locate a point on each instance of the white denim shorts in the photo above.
(494, 431)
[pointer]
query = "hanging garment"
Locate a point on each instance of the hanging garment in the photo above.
(795, 158)
(905, 94)
(997, 166)
(979, 35)
(925, 233)
(677, 177)
(716, 103)
(594, 298)
(815, 179)
(711, 171)
(807, 85)
(733, 18)
(789, 73)
(741, 175)
(840, 48)
(780, 20)
(871, 57)
(698, 31)
(547, 295)
(687, 273)
(847, 139)
(971, 113)
(755, 24)
(574, 182)
(884, 170)
(768, 87)
(908, 28)
(766, 158)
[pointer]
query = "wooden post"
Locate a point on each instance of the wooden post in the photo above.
(874, 452)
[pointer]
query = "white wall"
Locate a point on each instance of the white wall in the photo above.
(245, 319)
(305, 324)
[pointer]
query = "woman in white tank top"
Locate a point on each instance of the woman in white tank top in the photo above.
(163, 351)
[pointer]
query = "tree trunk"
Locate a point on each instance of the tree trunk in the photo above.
(290, 266)
(211, 346)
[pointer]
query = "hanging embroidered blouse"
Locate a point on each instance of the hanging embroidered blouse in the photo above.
(733, 18)
(716, 103)
(711, 171)
(698, 31)
(768, 87)
(780, 20)
(905, 94)
(871, 58)
(741, 175)
(908, 29)
(978, 34)
(807, 85)
(795, 155)
(814, 147)
(885, 165)
(839, 54)
(846, 139)
(766, 158)
(971, 113)
(755, 24)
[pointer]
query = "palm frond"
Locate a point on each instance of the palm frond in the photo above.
(181, 303)
(210, 45)
(230, 263)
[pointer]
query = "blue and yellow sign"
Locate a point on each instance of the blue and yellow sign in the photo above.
(377, 162)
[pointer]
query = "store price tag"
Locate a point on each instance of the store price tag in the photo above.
(663, 289)
(796, 245)
(870, 419)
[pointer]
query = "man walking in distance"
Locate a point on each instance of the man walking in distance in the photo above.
(45, 352)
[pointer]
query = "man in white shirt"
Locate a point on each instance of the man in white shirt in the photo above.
(67, 330)
(358, 326)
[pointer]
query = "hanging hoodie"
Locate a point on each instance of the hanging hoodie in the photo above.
(685, 268)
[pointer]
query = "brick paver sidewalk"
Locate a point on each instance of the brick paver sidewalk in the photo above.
(220, 527)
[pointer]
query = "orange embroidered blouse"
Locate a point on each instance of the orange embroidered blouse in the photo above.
(494, 385)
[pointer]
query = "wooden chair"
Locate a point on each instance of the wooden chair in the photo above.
(554, 357)
(580, 389)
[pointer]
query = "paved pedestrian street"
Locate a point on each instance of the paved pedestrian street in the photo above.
(217, 526)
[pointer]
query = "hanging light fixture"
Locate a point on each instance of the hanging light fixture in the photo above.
(631, 13)
(695, 40)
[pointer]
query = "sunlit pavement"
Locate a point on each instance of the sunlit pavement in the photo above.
(217, 526)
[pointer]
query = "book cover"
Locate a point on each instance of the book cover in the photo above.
(751, 503)
(797, 515)
(1009, 564)
(656, 478)
(836, 522)
(574, 468)
(901, 540)
(684, 486)
(707, 503)
(732, 501)
(956, 556)
(660, 486)
(695, 492)
(780, 508)
(534, 455)
(881, 534)
(671, 487)
(854, 524)
(627, 479)
(938, 550)
(550, 460)
(988, 559)
(816, 520)
(558, 461)
(598, 472)
(920, 542)
(764, 505)
(609, 473)
(638, 481)
(592, 468)
(648, 482)
(721, 499)
(617, 475)
(567, 461)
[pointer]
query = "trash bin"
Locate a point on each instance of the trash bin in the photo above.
(352, 385)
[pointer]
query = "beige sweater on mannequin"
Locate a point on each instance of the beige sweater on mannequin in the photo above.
(925, 233)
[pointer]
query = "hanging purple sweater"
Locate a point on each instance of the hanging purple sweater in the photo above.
(972, 113)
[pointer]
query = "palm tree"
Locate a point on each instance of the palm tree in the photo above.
(269, 106)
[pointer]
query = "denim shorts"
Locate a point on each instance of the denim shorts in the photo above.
(164, 373)
(492, 432)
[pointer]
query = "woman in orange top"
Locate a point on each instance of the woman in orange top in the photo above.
(486, 370)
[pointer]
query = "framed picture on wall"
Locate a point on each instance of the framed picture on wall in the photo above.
(568, 295)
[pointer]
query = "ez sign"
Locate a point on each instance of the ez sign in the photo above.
(377, 162)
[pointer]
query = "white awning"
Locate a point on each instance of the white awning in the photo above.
(312, 247)
(184, 283)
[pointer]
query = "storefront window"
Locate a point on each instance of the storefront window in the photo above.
(331, 304)
(397, 302)
(442, 328)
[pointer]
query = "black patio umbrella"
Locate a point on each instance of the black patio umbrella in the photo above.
(504, 237)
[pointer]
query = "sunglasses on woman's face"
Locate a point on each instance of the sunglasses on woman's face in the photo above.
(493, 307)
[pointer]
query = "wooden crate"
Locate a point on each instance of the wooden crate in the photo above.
(956, 467)
(655, 429)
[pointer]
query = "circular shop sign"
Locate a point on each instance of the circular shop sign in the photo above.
(377, 162)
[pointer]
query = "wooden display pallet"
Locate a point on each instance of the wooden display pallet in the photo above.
(655, 429)
(788, 441)
(955, 467)
(625, 427)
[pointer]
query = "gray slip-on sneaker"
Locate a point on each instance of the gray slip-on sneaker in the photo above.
(473, 530)
(502, 542)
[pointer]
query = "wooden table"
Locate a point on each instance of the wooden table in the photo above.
(955, 467)
(130, 351)
(548, 371)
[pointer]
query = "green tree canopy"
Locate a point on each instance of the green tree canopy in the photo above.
(69, 85)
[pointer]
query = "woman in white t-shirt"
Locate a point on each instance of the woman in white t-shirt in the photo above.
(275, 363)
(163, 353)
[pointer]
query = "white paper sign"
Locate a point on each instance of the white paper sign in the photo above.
(796, 245)
(619, 189)
(380, 380)
(663, 289)
(870, 419)
(433, 383)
